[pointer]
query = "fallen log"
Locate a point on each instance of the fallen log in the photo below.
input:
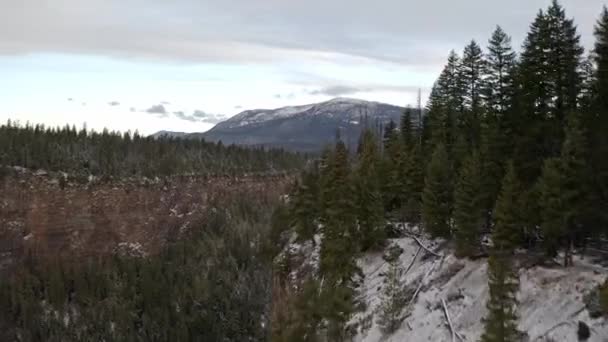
(413, 260)
(455, 334)
(426, 248)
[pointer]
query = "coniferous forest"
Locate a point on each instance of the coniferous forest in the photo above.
(111, 154)
(513, 146)
(512, 149)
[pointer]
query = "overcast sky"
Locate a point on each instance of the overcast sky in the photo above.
(183, 65)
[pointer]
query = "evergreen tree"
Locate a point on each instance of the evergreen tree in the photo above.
(305, 206)
(472, 72)
(501, 321)
(393, 172)
(414, 184)
(552, 214)
(370, 211)
(394, 295)
(437, 194)
(446, 103)
(407, 132)
(507, 233)
(468, 215)
(339, 245)
(576, 175)
(550, 84)
(500, 65)
(492, 153)
(598, 124)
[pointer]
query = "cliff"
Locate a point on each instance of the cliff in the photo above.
(50, 215)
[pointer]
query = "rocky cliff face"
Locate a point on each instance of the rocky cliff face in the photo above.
(49, 215)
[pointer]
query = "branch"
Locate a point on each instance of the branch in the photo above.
(553, 328)
(447, 316)
(412, 263)
(421, 283)
(426, 248)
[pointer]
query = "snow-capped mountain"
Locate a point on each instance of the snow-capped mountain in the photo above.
(303, 128)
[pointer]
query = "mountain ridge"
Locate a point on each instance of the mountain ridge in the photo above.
(306, 128)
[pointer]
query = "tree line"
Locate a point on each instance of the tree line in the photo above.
(112, 154)
(513, 145)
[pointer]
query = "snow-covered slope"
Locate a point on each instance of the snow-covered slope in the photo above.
(550, 299)
(335, 107)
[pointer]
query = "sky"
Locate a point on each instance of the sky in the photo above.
(184, 65)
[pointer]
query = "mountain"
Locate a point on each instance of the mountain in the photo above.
(306, 128)
(169, 134)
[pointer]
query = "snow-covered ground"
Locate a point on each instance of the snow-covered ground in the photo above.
(550, 299)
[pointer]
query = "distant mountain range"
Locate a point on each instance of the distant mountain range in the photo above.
(306, 128)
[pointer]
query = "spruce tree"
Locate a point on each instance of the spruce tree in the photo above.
(598, 124)
(305, 206)
(437, 194)
(472, 71)
(414, 184)
(339, 246)
(446, 103)
(369, 208)
(500, 67)
(392, 172)
(394, 295)
(472, 74)
(506, 233)
(468, 215)
(492, 154)
(550, 83)
(501, 320)
(339, 228)
(553, 224)
(407, 132)
(576, 176)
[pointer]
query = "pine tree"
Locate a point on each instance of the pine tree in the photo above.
(305, 206)
(500, 67)
(394, 295)
(576, 175)
(472, 71)
(598, 125)
(437, 194)
(506, 233)
(392, 172)
(339, 229)
(550, 79)
(503, 282)
(468, 215)
(552, 208)
(407, 132)
(446, 103)
(414, 184)
(369, 208)
(492, 154)
(339, 246)
(501, 321)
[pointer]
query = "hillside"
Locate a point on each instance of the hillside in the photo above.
(551, 298)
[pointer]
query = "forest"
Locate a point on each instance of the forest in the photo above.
(212, 285)
(513, 147)
(83, 152)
